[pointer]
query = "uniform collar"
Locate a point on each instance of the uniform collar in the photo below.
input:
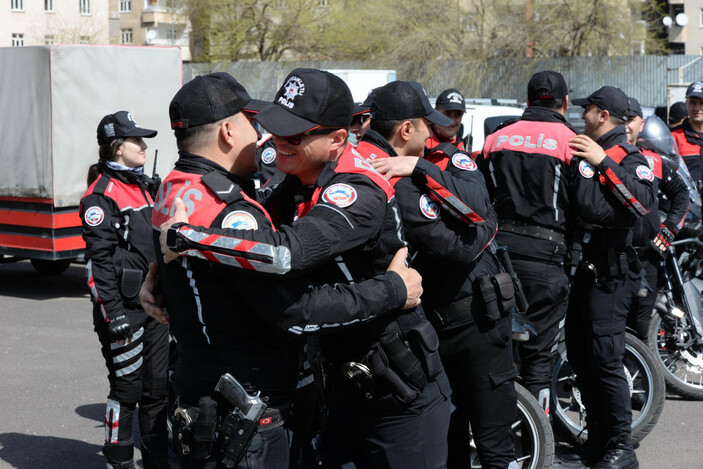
(614, 137)
(543, 114)
(377, 140)
(192, 163)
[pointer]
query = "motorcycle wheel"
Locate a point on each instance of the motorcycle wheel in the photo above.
(534, 439)
(679, 359)
(643, 375)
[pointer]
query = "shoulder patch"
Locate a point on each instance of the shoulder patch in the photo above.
(240, 220)
(341, 195)
(643, 172)
(94, 216)
(268, 156)
(586, 169)
(428, 207)
(463, 161)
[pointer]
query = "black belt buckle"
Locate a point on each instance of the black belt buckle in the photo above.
(359, 376)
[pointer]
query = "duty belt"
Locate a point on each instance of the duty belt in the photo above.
(527, 229)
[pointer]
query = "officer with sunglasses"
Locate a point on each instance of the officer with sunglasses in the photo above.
(383, 380)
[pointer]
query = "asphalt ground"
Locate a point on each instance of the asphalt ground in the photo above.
(53, 382)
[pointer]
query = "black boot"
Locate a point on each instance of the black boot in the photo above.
(590, 453)
(620, 454)
(119, 456)
(155, 451)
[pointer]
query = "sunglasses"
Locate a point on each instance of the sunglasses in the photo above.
(364, 117)
(296, 139)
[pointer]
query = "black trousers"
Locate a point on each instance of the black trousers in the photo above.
(547, 290)
(595, 343)
(384, 433)
(642, 307)
(137, 373)
(478, 360)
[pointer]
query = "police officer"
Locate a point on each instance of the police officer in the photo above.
(116, 216)
(452, 104)
(361, 118)
(266, 160)
(475, 337)
(689, 135)
(216, 313)
(534, 179)
(384, 380)
(609, 278)
(651, 237)
(677, 113)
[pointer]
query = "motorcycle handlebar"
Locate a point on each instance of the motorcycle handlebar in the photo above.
(681, 242)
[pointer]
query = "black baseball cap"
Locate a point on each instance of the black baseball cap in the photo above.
(546, 84)
(308, 99)
(400, 100)
(366, 105)
(210, 98)
(635, 108)
(608, 98)
(451, 100)
(119, 125)
(677, 111)
(695, 89)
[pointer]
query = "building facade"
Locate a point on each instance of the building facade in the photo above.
(129, 22)
(685, 25)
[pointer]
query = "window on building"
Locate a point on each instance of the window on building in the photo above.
(172, 34)
(700, 21)
(125, 6)
(49, 5)
(84, 6)
(17, 5)
(677, 48)
(126, 36)
(84, 40)
(49, 39)
(324, 3)
(17, 40)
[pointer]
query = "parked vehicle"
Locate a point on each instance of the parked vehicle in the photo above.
(52, 97)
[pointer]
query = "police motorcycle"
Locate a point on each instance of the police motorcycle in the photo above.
(675, 333)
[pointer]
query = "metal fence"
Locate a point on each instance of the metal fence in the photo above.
(643, 77)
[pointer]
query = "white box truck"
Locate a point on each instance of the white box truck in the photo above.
(52, 98)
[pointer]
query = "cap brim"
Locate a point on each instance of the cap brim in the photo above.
(283, 123)
(695, 95)
(451, 107)
(140, 132)
(256, 105)
(361, 110)
(438, 118)
(583, 102)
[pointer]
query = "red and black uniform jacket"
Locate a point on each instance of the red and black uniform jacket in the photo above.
(670, 185)
(627, 182)
(234, 315)
(116, 216)
(346, 227)
(690, 145)
(448, 243)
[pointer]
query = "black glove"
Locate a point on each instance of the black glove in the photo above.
(120, 328)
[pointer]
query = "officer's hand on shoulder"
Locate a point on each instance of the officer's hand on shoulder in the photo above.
(585, 147)
(396, 166)
(180, 216)
(120, 329)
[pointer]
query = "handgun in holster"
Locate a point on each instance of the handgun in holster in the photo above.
(240, 424)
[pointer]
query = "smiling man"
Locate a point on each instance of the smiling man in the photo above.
(452, 104)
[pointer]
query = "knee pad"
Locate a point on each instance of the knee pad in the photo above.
(119, 456)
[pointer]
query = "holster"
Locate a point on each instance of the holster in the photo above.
(380, 367)
(130, 283)
(498, 293)
(195, 427)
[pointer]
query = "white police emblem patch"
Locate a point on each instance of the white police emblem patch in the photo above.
(341, 195)
(644, 172)
(650, 162)
(429, 207)
(94, 216)
(294, 87)
(240, 220)
(586, 169)
(455, 98)
(268, 156)
(463, 161)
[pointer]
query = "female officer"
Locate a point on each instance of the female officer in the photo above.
(116, 217)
